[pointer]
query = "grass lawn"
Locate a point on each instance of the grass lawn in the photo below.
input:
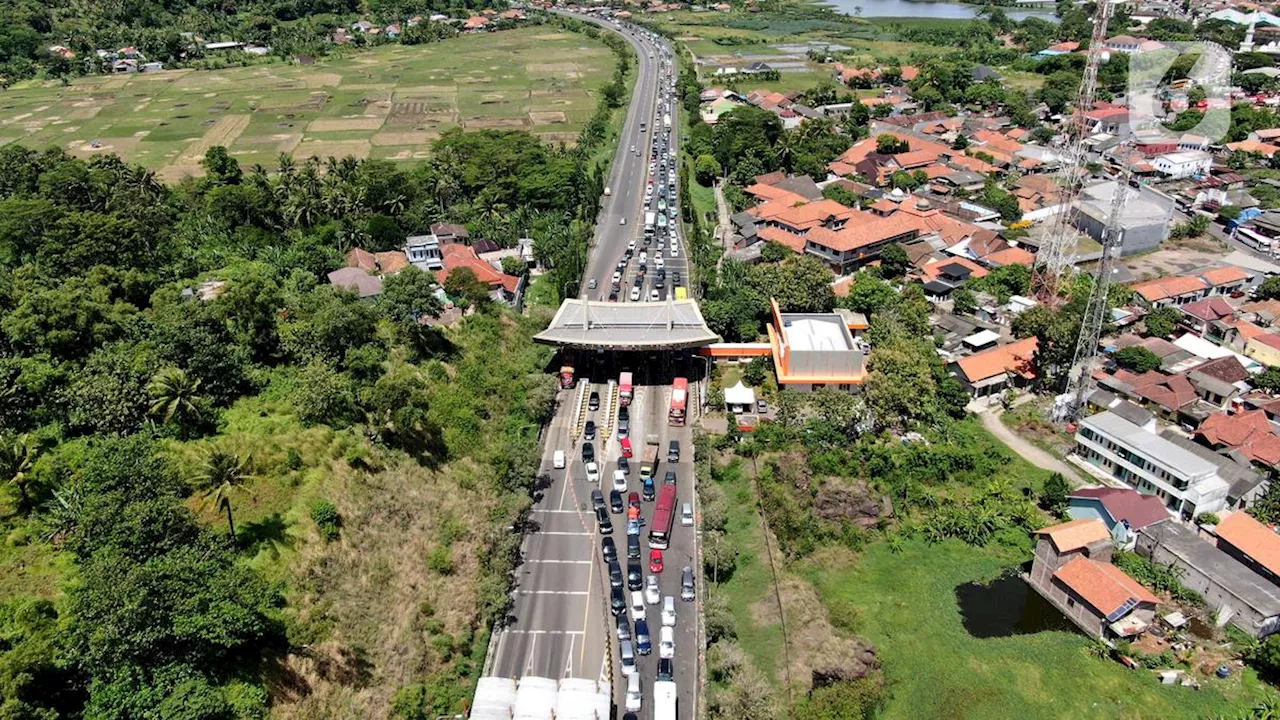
(541, 293)
(937, 669)
(387, 102)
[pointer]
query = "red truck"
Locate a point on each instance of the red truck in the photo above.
(566, 377)
(679, 400)
(625, 389)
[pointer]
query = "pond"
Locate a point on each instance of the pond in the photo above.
(1007, 606)
(926, 9)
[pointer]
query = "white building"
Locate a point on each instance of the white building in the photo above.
(1183, 164)
(424, 252)
(1185, 482)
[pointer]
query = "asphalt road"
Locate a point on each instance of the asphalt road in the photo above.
(560, 625)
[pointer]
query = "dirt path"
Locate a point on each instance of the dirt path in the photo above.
(724, 226)
(1034, 455)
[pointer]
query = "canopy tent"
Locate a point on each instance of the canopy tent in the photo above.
(740, 396)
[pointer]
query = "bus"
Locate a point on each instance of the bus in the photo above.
(664, 700)
(679, 399)
(664, 514)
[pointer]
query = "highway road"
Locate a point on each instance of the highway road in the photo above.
(560, 625)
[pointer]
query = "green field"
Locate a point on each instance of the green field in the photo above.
(389, 102)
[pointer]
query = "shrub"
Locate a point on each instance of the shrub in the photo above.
(723, 660)
(718, 618)
(1207, 519)
(844, 615)
(440, 561)
(328, 521)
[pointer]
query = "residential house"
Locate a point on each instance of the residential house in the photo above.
(502, 287)
(1237, 594)
(1209, 318)
(424, 252)
(1173, 291)
(1183, 164)
(1062, 48)
(1072, 569)
(380, 263)
(450, 232)
(1250, 542)
(1136, 456)
(1124, 43)
(1249, 433)
(1264, 348)
(357, 280)
(990, 372)
(1123, 511)
(1227, 280)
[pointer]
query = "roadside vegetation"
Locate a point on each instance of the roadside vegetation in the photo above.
(231, 490)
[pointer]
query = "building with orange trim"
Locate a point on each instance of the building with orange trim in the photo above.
(816, 350)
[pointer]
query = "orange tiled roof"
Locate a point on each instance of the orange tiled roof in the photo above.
(391, 262)
(964, 162)
(1168, 287)
(915, 158)
(1224, 275)
(863, 231)
(1011, 256)
(1251, 538)
(1075, 534)
(456, 256)
(1016, 357)
(771, 192)
(1103, 585)
(1266, 149)
(933, 269)
(1249, 432)
(910, 72)
(778, 235)
(1248, 330)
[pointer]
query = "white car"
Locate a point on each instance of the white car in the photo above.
(686, 515)
(619, 481)
(635, 294)
(557, 460)
(622, 221)
(593, 472)
(668, 611)
(651, 593)
(637, 606)
(667, 643)
(675, 252)
(635, 697)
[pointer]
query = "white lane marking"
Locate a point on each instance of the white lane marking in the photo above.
(528, 666)
(543, 632)
(546, 532)
(550, 592)
(568, 665)
(558, 562)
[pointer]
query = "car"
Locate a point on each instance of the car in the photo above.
(622, 221)
(624, 628)
(613, 296)
(655, 560)
(651, 591)
(635, 575)
(653, 296)
(603, 521)
(624, 413)
(633, 526)
(617, 601)
(624, 465)
(667, 642)
(673, 451)
(557, 460)
(762, 406)
(633, 547)
(624, 428)
(647, 490)
(675, 277)
(686, 515)
(637, 605)
(635, 695)
(619, 481)
(668, 610)
(642, 637)
(593, 402)
(666, 670)
(597, 499)
(624, 443)
(687, 590)
(669, 478)
(591, 284)
(628, 655)
(615, 575)
(593, 473)
(635, 293)
(608, 550)
(633, 500)
(615, 501)
(588, 452)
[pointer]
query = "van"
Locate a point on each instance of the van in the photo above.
(628, 654)
(557, 460)
(635, 698)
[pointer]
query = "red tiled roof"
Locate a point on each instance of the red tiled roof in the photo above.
(933, 269)
(1249, 432)
(1248, 330)
(771, 192)
(1209, 309)
(778, 235)
(1016, 357)
(1103, 585)
(456, 256)
(1168, 391)
(1224, 275)
(1252, 538)
(803, 217)
(1227, 369)
(1123, 504)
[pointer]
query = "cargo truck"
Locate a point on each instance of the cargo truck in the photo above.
(624, 389)
(566, 377)
(649, 463)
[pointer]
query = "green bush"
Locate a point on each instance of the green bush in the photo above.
(1207, 518)
(844, 615)
(440, 561)
(328, 521)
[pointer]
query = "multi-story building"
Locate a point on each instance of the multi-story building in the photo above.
(1185, 482)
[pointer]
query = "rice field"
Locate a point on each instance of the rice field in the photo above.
(388, 102)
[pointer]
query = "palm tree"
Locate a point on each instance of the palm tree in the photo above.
(62, 517)
(223, 474)
(174, 397)
(17, 456)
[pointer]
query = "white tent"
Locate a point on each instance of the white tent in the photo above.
(740, 398)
